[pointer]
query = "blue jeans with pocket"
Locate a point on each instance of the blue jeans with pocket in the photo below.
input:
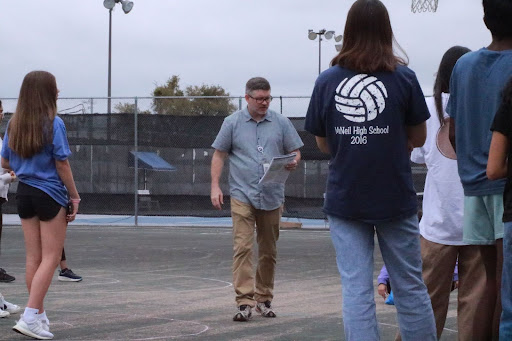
(400, 247)
(506, 285)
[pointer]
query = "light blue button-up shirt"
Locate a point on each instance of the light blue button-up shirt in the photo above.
(249, 145)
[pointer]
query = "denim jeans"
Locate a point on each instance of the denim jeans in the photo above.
(506, 285)
(400, 247)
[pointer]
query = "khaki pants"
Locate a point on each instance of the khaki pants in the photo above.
(245, 219)
(476, 294)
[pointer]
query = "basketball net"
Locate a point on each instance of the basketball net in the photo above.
(419, 6)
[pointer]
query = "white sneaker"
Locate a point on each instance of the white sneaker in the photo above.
(45, 323)
(11, 308)
(34, 329)
(265, 309)
(4, 313)
(243, 313)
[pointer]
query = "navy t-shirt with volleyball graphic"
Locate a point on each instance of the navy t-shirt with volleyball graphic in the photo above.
(364, 118)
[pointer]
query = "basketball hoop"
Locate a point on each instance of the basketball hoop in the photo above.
(419, 6)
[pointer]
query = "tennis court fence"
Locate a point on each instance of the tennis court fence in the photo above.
(151, 155)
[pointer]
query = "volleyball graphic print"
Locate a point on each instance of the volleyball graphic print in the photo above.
(361, 98)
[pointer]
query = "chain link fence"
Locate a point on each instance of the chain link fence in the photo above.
(151, 155)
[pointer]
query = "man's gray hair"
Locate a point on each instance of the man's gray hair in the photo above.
(256, 83)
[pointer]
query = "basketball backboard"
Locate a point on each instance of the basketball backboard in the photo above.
(419, 6)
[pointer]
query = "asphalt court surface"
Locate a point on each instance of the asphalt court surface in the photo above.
(174, 283)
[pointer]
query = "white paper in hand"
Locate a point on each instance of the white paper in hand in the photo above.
(276, 172)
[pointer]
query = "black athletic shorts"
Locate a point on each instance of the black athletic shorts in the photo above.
(32, 202)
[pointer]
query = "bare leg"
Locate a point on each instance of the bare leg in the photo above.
(63, 264)
(32, 236)
(52, 234)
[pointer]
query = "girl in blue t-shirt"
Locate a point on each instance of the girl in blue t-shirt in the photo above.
(36, 148)
(368, 111)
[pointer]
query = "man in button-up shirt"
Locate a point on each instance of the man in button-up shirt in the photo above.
(251, 138)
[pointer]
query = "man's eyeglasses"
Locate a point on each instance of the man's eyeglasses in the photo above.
(262, 100)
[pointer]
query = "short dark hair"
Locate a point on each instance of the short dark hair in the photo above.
(368, 39)
(497, 14)
(256, 83)
(0, 102)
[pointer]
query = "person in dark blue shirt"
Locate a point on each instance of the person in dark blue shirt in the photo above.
(368, 111)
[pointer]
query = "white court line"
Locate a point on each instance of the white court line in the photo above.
(394, 325)
(64, 323)
(82, 283)
(229, 284)
(63, 289)
(143, 316)
(160, 221)
(451, 330)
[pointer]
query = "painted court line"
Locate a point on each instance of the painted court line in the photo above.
(205, 327)
(177, 221)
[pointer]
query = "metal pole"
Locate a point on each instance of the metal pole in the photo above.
(136, 166)
(193, 166)
(319, 52)
(109, 58)
(304, 193)
(281, 102)
(91, 175)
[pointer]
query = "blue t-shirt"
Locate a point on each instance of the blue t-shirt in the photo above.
(39, 170)
(364, 119)
(475, 94)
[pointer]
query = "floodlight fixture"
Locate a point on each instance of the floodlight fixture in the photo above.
(109, 4)
(127, 6)
(329, 34)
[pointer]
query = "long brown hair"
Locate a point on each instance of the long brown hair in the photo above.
(368, 39)
(31, 126)
(442, 83)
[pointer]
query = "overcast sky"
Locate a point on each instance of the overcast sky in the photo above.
(221, 42)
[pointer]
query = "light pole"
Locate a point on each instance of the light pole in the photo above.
(127, 7)
(328, 35)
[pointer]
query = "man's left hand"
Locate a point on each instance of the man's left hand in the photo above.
(291, 166)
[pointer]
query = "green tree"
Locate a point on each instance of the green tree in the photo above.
(191, 106)
(210, 106)
(128, 108)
